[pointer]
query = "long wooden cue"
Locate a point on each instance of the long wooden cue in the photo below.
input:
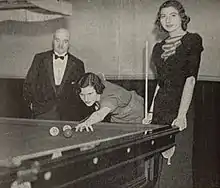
(146, 77)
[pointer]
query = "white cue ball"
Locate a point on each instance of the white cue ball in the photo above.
(65, 127)
(54, 131)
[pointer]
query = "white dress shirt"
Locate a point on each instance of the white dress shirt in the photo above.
(59, 67)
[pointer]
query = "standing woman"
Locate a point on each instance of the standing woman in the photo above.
(177, 59)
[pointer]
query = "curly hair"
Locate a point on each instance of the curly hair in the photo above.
(179, 7)
(90, 79)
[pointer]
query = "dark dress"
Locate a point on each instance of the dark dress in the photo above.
(172, 74)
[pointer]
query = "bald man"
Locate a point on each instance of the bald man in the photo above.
(50, 82)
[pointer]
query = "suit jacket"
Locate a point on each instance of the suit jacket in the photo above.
(41, 93)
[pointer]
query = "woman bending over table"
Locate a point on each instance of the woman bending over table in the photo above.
(124, 106)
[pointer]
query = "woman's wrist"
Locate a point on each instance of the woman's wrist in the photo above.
(181, 115)
(87, 123)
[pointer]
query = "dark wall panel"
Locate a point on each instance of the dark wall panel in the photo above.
(206, 159)
(13, 104)
(11, 99)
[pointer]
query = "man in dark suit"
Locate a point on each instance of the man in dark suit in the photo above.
(49, 87)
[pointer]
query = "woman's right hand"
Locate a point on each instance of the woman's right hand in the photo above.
(148, 119)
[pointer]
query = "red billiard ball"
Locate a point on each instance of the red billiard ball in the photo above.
(68, 133)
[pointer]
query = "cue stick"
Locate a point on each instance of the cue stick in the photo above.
(146, 77)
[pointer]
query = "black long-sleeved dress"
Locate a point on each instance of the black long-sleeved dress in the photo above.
(172, 73)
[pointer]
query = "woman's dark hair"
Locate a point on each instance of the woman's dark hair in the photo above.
(90, 79)
(179, 7)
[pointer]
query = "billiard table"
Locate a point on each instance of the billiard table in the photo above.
(113, 156)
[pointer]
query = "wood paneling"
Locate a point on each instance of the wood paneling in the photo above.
(206, 159)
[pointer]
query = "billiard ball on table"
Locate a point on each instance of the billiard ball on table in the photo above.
(65, 127)
(54, 131)
(67, 131)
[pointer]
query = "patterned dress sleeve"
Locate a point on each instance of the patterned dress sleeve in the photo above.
(114, 97)
(110, 101)
(193, 55)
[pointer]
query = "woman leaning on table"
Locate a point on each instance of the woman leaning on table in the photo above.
(124, 106)
(177, 60)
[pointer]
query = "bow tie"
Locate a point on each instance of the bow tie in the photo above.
(59, 57)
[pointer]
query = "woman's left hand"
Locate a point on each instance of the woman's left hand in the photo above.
(80, 127)
(180, 122)
(148, 119)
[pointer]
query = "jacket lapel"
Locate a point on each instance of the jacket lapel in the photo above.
(49, 63)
